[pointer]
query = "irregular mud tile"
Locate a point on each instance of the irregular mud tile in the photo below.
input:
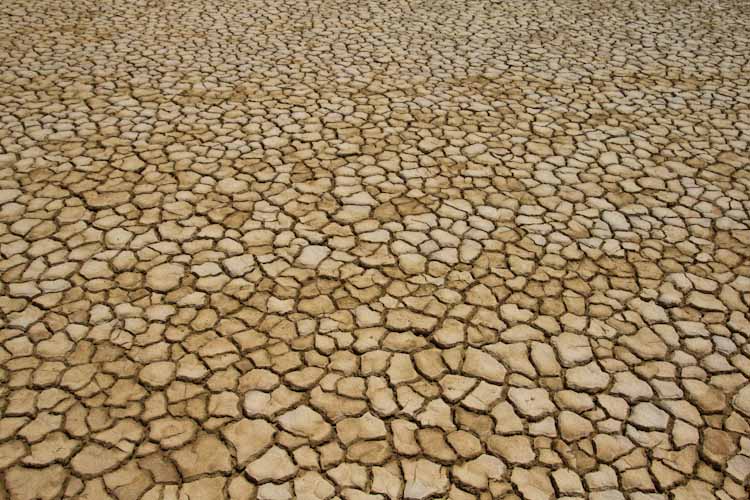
(274, 465)
(32, 484)
(206, 455)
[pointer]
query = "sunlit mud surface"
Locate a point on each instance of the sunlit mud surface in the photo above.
(374, 249)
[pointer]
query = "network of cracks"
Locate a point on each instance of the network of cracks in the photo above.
(374, 249)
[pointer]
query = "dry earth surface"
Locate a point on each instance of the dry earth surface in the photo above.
(374, 249)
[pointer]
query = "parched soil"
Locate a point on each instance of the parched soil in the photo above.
(374, 249)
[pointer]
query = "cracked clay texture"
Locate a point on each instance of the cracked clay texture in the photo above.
(374, 249)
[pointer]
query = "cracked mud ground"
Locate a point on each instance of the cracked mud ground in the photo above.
(379, 249)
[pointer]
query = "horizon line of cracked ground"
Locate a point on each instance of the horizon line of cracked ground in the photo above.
(374, 250)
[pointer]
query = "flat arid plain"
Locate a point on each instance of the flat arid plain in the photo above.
(374, 249)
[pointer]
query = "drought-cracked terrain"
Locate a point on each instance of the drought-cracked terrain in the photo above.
(374, 249)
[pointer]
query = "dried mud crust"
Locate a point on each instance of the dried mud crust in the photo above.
(374, 249)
